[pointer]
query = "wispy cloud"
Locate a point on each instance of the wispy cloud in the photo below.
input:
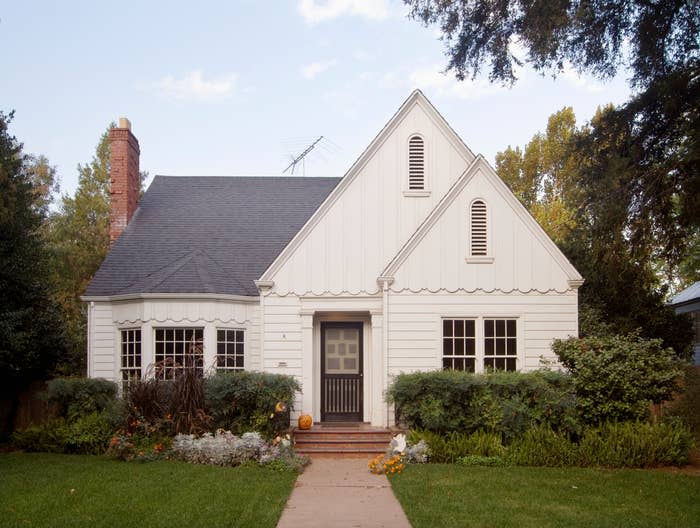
(193, 86)
(582, 82)
(441, 84)
(310, 71)
(315, 12)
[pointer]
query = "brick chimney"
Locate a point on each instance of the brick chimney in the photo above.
(124, 178)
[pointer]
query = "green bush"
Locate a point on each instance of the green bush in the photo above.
(74, 397)
(541, 446)
(87, 435)
(635, 445)
(686, 406)
(451, 446)
(616, 378)
(507, 403)
(245, 401)
(476, 460)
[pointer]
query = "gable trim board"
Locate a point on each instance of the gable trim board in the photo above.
(574, 278)
(416, 98)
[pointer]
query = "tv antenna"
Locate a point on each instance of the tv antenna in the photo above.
(300, 157)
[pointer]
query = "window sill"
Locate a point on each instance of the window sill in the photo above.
(479, 260)
(416, 194)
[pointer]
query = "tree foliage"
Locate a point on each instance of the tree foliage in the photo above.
(31, 328)
(652, 38)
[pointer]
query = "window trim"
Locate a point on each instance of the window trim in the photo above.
(416, 193)
(245, 348)
(479, 319)
(479, 259)
(120, 369)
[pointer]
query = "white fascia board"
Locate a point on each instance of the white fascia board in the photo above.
(171, 296)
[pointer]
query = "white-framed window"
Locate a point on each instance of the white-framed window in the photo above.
(459, 344)
(177, 348)
(230, 349)
(500, 344)
(479, 344)
(416, 163)
(130, 356)
(478, 229)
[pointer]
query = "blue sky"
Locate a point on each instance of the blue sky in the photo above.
(237, 88)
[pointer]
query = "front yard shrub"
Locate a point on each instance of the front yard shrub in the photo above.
(246, 401)
(635, 445)
(686, 406)
(507, 403)
(73, 397)
(616, 378)
(541, 446)
(86, 435)
(449, 447)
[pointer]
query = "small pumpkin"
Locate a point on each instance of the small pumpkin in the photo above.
(305, 421)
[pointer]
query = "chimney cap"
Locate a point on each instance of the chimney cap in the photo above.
(124, 123)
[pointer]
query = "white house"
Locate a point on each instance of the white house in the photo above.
(419, 258)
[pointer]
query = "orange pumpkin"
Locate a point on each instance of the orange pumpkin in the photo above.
(305, 421)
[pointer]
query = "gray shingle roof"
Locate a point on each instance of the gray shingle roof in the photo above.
(207, 234)
(691, 293)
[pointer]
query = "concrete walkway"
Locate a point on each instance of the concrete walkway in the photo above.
(342, 492)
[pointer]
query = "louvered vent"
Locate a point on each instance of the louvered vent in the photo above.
(478, 228)
(416, 163)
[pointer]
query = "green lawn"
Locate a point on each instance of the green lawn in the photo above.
(71, 490)
(455, 496)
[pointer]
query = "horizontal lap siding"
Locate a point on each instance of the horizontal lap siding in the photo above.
(102, 363)
(283, 335)
(415, 331)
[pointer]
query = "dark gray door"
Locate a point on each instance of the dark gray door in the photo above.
(341, 372)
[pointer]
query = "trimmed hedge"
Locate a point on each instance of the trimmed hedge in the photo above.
(245, 401)
(508, 403)
(86, 435)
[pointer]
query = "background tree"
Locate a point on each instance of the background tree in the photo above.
(542, 174)
(32, 333)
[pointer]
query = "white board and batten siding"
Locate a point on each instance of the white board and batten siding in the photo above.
(365, 225)
(106, 319)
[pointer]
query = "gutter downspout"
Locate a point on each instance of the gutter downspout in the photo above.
(385, 282)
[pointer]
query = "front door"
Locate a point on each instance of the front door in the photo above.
(341, 372)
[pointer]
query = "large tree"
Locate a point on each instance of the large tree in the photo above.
(31, 328)
(575, 181)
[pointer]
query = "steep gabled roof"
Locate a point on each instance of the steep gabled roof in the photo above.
(416, 97)
(479, 162)
(212, 235)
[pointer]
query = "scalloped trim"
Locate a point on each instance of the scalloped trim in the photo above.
(183, 320)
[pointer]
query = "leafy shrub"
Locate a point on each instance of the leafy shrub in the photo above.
(477, 460)
(449, 447)
(226, 449)
(686, 406)
(635, 445)
(616, 378)
(507, 403)
(87, 435)
(541, 446)
(73, 397)
(245, 401)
